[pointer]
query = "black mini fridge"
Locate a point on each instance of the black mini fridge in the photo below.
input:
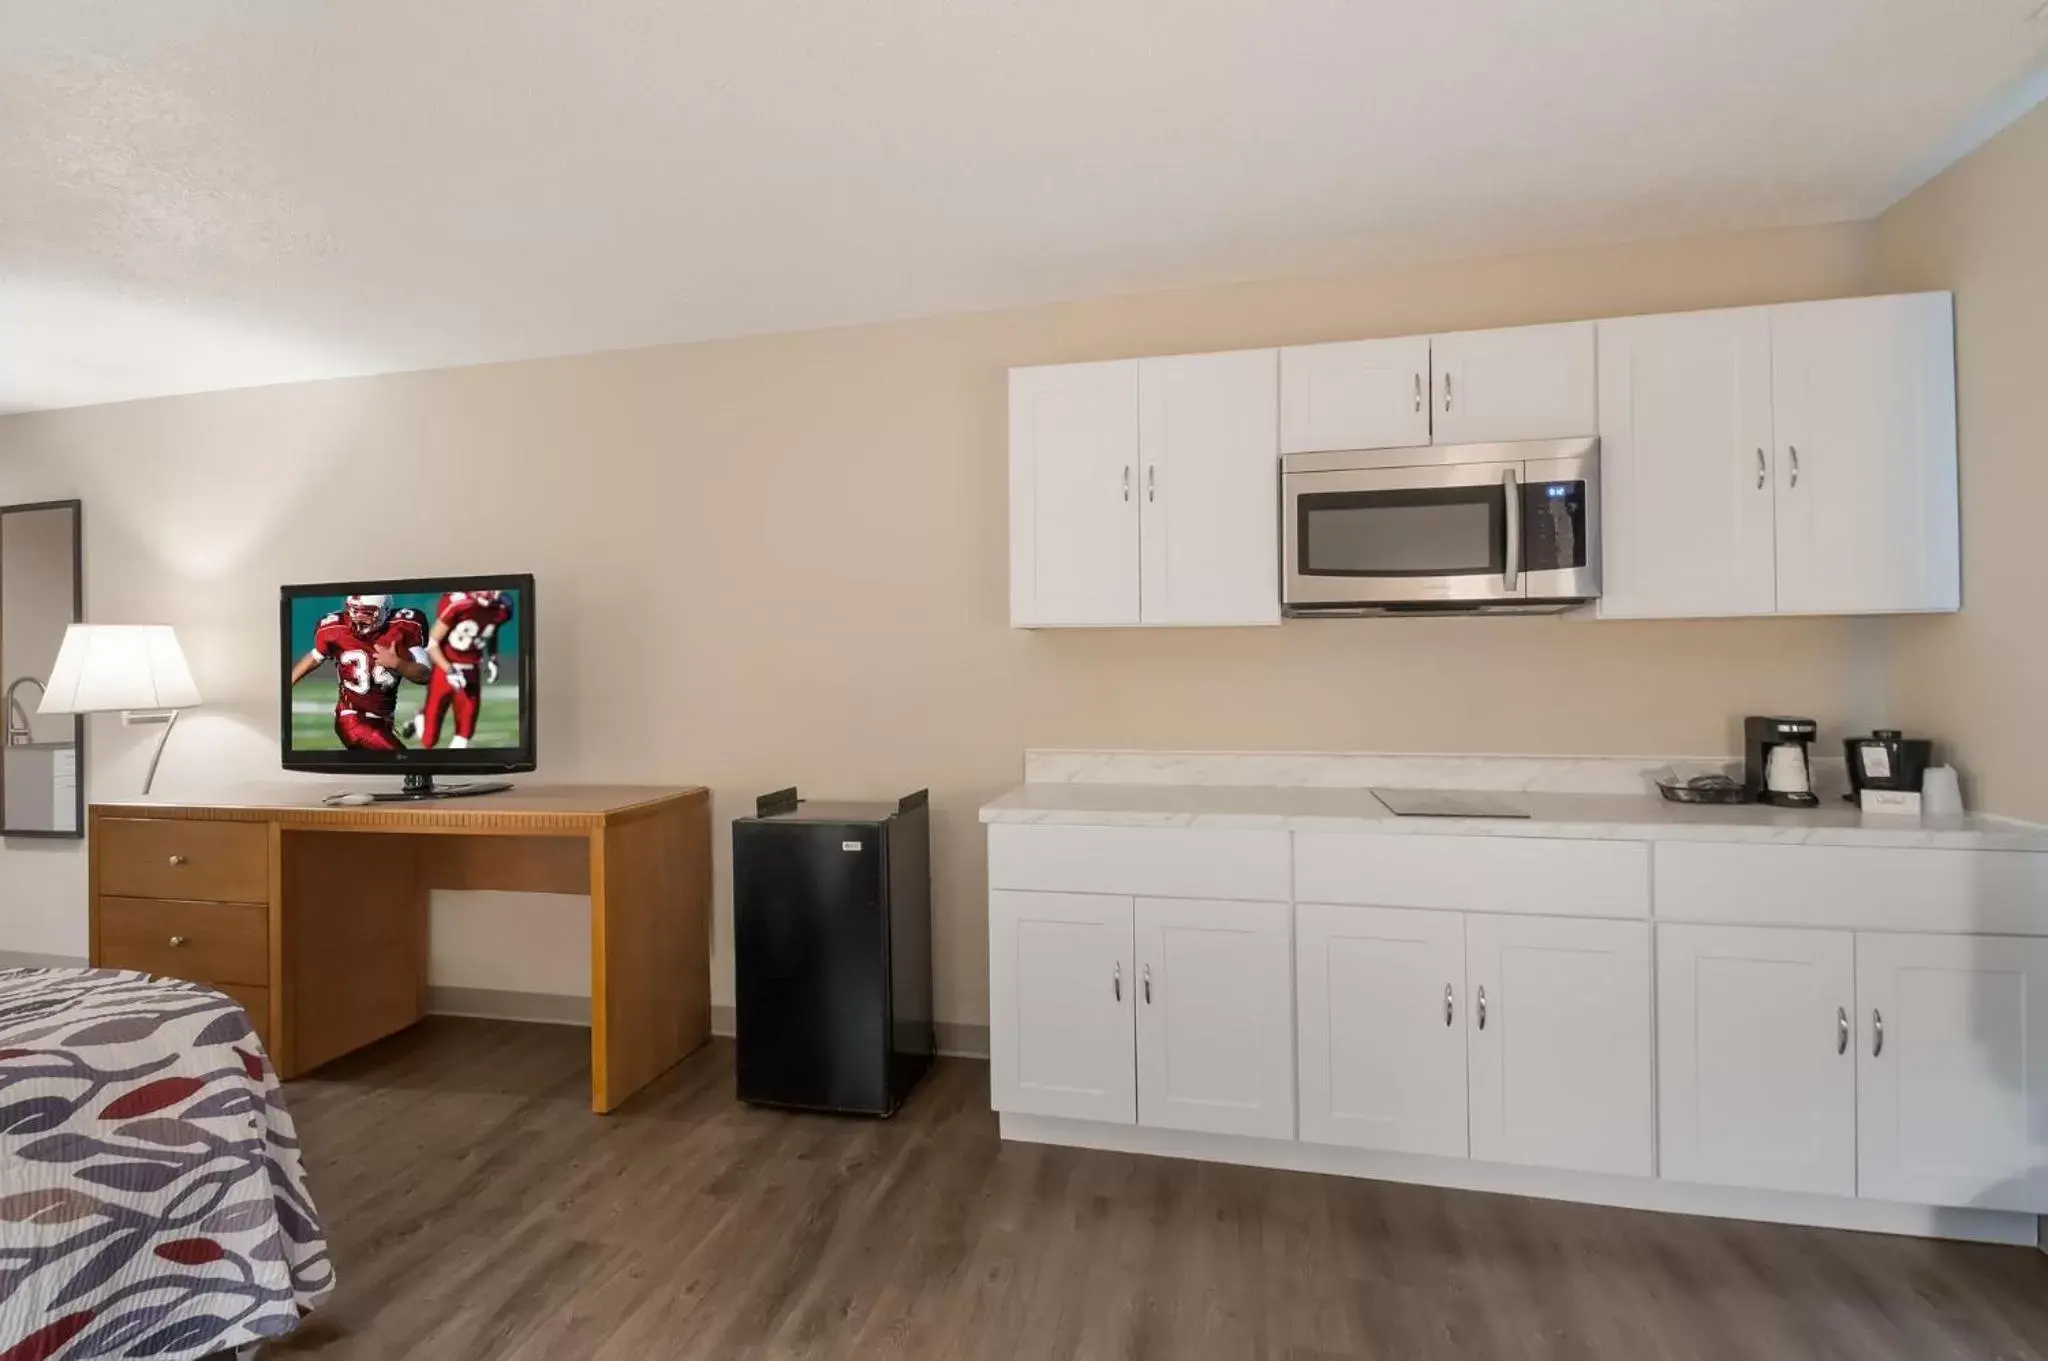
(833, 952)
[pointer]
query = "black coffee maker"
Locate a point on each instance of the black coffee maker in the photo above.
(1775, 767)
(1887, 759)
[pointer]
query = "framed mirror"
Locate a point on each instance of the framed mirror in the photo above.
(42, 592)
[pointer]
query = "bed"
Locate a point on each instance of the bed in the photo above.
(152, 1202)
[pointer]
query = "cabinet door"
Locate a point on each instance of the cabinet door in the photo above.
(1528, 382)
(1210, 493)
(1864, 390)
(1685, 441)
(1357, 394)
(1216, 1017)
(1756, 1072)
(1381, 994)
(1073, 494)
(1061, 996)
(1952, 1101)
(1560, 1042)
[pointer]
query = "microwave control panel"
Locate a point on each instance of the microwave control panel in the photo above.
(1553, 526)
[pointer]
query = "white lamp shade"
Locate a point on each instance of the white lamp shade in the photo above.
(104, 668)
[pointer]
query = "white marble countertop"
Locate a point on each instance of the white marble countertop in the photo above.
(1594, 816)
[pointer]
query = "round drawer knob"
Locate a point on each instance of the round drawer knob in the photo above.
(177, 861)
(177, 941)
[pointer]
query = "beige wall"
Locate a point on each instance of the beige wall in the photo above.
(1978, 680)
(782, 560)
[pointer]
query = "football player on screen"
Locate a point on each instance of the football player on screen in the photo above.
(463, 648)
(373, 647)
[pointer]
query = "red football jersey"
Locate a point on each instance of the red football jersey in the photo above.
(367, 688)
(471, 622)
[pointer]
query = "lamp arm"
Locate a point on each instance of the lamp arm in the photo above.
(158, 754)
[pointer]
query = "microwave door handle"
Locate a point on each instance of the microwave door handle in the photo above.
(1512, 494)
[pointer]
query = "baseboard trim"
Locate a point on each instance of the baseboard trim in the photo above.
(498, 1004)
(954, 1039)
(1629, 1193)
(22, 959)
(962, 1041)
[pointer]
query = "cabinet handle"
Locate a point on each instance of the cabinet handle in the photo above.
(1795, 463)
(1877, 1027)
(180, 941)
(1116, 981)
(1148, 985)
(1762, 470)
(1447, 1004)
(177, 862)
(1152, 482)
(1482, 1006)
(1127, 481)
(1418, 392)
(1447, 392)
(1841, 1030)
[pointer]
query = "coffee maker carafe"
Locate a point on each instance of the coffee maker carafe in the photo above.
(1775, 767)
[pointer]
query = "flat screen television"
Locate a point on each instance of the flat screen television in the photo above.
(416, 678)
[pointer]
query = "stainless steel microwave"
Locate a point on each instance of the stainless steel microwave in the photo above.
(1447, 529)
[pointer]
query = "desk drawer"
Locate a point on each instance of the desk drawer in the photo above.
(191, 861)
(200, 942)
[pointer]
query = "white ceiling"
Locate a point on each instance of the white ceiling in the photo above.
(215, 193)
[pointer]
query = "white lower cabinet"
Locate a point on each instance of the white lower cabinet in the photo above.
(1828, 1062)
(1169, 1012)
(1062, 993)
(1560, 1043)
(1215, 1017)
(1756, 1071)
(1952, 1070)
(1381, 993)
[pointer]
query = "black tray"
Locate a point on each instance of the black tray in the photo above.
(1686, 793)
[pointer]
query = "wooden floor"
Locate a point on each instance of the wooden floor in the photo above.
(477, 1210)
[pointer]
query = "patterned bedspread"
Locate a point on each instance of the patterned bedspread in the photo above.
(151, 1199)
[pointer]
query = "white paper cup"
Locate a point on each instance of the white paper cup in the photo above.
(1941, 792)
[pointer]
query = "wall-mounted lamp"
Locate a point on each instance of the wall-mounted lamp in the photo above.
(136, 670)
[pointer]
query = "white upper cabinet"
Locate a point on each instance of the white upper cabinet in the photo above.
(1209, 500)
(1952, 1070)
(1073, 490)
(1866, 433)
(1467, 387)
(1685, 461)
(1145, 492)
(1789, 459)
(1382, 1001)
(1794, 459)
(1525, 382)
(1756, 1069)
(1061, 999)
(1559, 1038)
(1215, 1006)
(1356, 394)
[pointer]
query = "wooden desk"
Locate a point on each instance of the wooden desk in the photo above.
(316, 918)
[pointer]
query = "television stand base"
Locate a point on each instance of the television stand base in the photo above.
(421, 787)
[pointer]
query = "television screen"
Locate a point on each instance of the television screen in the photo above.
(419, 676)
